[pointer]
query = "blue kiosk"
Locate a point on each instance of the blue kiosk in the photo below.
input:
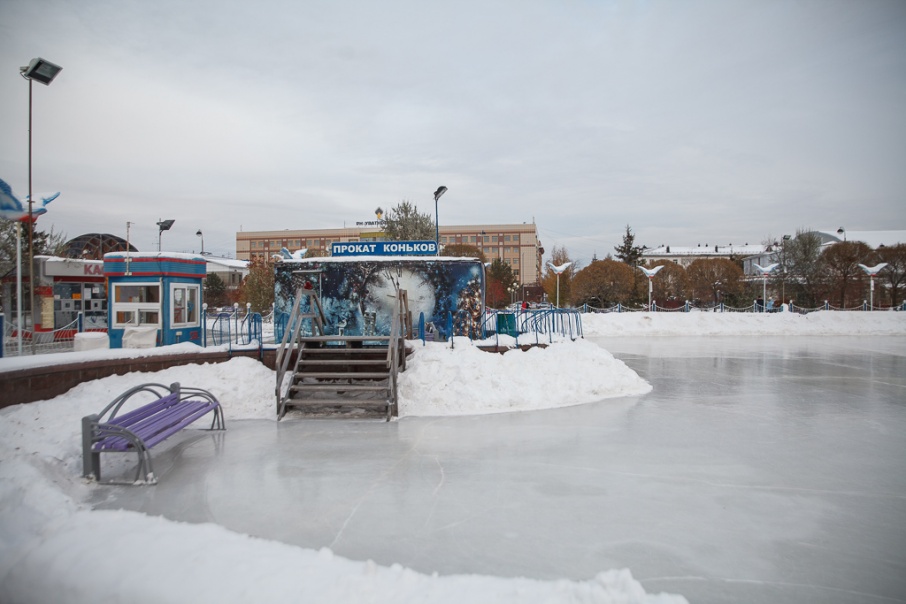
(154, 298)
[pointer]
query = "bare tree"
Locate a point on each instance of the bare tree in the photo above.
(844, 277)
(602, 283)
(893, 276)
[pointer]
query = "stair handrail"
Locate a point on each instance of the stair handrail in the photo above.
(399, 319)
(284, 351)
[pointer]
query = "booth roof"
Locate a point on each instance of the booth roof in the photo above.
(154, 255)
(375, 259)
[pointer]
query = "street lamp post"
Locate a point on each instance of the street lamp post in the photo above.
(559, 270)
(43, 71)
(200, 234)
(872, 271)
(765, 271)
(163, 225)
(783, 269)
(650, 273)
(437, 195)
(842, 231)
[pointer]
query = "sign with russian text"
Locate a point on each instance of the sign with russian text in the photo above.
(384, 248)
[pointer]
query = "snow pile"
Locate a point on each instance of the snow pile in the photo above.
(178, 562)
(444, 381)
(821, 323)
(53, 548)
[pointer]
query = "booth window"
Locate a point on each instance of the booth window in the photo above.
(184, 305)
(136, 304)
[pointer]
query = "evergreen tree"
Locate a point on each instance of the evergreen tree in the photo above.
(628, 252)
(214, 290)
(404, 223)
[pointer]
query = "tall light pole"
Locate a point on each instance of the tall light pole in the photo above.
(437, 195)
(650, 273)
(783, 269)
(872, 271)
(765, 271)
(200, 234)
(163, 225)
(842, 231)
(559, 270)
(43, 71)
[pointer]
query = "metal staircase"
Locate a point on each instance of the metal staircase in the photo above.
(338, 375)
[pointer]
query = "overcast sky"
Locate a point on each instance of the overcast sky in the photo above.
(694, 122)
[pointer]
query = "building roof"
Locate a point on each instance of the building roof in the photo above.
(705, 250)
(231, 263)
(874, 239)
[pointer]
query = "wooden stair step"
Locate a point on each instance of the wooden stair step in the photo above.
(336, 403)
(338, 387)
(344, 375)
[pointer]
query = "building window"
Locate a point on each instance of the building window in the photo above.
(507, 238)
(136, 304)
(184, 305)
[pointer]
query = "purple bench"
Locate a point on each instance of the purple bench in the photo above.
(140, 429)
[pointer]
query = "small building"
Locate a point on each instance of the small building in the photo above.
(359, 292)
(64, 287)
(155, 298)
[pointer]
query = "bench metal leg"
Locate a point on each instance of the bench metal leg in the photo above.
(91, 460)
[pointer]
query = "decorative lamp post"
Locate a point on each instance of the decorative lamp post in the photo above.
(872, 271)
(650, 273)
(842, 231)
(437, 195)
(200, 234)
(559, 270)
(783, 269)
(44, 72)
(765, 271)
(163, 225)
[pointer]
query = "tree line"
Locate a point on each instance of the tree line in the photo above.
(808, 273)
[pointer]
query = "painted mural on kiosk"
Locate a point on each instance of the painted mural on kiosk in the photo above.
(359, 293)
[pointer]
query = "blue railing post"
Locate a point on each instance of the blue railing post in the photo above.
(686, 306)
(80, 322)
(826, 305)
(421, 327)
(204, 325)
(619, 307)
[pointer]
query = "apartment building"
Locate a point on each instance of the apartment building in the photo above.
(515, 244)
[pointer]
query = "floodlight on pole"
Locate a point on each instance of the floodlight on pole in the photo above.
(200, 234)
(558, 269)
(42, 71)
(765, 271)
(872, 271)
(650, 273)
(163, 225)
(437, 195)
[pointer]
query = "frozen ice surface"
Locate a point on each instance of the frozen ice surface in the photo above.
(756, 470)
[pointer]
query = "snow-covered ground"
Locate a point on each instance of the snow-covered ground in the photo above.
(54, 548)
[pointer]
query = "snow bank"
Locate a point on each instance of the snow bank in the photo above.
(444, 381)
(821, 323)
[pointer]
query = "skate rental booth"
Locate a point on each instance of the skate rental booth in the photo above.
(358, 287)
(154, 298)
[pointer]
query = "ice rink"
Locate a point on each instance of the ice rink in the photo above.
(759, 469)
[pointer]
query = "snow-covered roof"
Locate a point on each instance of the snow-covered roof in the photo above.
(375, 259)
(874, 239)
(705, 250)
(155, 255)
(227, 262)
